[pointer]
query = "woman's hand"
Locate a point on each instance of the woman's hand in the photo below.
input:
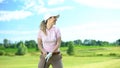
(48, 56)
(44, 53)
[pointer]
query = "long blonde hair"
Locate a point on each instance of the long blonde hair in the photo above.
(43, 26)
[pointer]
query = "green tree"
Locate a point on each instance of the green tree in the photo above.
(87, 42)
(118, 42)
(93, 42)
(6, 43)
(22, 49)
(30, 44)
(63, 44)
(77, 42)
(99, 43)
(105, 43)
(2, 52)
(1, 45)
(70, 50)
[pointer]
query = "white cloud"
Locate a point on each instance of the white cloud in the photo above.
(111, 4)
(98, 31)
(39, 6)
(1, 1)
(53, 10)
(14, 35)
(22, 38)
(31, 4)
(30, 7)
(11, 15)
(14, 32)
(60, 8)
(54, 2)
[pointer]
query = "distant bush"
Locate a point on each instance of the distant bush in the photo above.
(70, 50)
(119, 55)
(112, 54)
(22, 49)
(2, 52)
(99, 54)
(9, 54)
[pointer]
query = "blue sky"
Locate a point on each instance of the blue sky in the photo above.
(79, 19)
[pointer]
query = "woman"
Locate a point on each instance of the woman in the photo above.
(49, 40)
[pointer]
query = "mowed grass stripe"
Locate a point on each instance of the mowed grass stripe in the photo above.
(113, 63)
(68, 62)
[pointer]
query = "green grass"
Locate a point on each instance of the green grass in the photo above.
(18, 61)
(91, 62)
(94, 50)
(79, 51)
(68, 62)
(85, 57)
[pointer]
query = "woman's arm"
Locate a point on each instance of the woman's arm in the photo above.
(41, 47)
(57, 45)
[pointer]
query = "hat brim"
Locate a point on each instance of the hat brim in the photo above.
(57, 16)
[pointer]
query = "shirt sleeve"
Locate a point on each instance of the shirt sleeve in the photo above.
(39, 34)
(58, 33)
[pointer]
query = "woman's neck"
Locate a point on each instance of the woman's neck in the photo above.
(49, 26)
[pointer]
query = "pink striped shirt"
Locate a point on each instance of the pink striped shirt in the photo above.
(50, 40)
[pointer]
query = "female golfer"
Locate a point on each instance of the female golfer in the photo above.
(49, 40)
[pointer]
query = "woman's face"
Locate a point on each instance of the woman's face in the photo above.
(52, 20)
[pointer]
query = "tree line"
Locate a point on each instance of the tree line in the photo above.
(22, 47)
(33, 44)
(90, 42)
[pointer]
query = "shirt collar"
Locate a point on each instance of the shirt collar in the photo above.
(52, 28)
